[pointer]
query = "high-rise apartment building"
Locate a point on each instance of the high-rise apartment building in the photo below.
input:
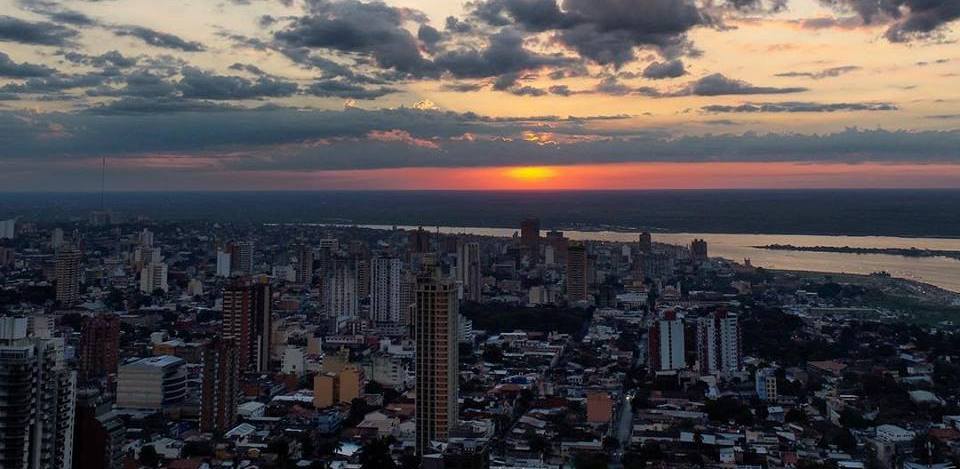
(241, 257)
(67, 273)
(153, 277)
(99, 432)
(305, 264)
(698, 250)
(766, 384)
(420, 240)
(646, 243)
(223, 264)
(577, 273)
(666, 345)
(340, 293)
(719, 350)
(37, 398)
(56, 238)
(247, 321)
(468, 271)
(98, 353)
(435, 316)
(221, 386)
(530, 237)
(385, 290)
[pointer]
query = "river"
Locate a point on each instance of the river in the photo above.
(940, 271)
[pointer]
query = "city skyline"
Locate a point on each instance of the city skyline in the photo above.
(485, 95)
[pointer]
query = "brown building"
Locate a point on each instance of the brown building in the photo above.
(246, 321)
(221, 386)
(599, 407)
(99, 346)
(335, 388)
(530, 237)
(436, 328)
(98, 432)
(577, 281)
(67, 275)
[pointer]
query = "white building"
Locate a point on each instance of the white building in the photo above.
(223, 264)
(719, 348)
(8, 228)
(766, 384)
(340, 296)
(385, 290)
(152, 383)
(666, 342)
(153, 277)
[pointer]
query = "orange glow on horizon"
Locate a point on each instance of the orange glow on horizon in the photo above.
(532, 174)
(626, 176)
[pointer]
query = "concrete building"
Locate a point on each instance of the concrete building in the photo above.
(385, 290)
(152, 383)
(98, 353)
(468, 271)
(8, 228)
(247, 304)
(599, 407)
(99, 433)
(766, 384)
(666, 343)
(220, 387)
(530, 238)
(435, 316)
(719, 348)
(153, 277)
(67, 274)
(223, 264)
(577, 276)
(336, 388)
(340, 294)
(305, 264)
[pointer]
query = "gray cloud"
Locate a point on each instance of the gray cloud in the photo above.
(604, 31)
(825, 73)
(662, 70)
(11, 69)
(343, 89)
(908, 19)
(198, 84)
(107, 59)
(799, 107)
(159, 39)
(39, 33)
(373, 29)
(718, 84)
(504, 54)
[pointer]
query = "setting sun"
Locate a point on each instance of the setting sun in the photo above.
(531, 173)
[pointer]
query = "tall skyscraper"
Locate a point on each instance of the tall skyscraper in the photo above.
(8, 228)
(305, 264)
(220, 387)
(56, 238)
(385, 290)
(420, 240)
(719, 350)
(436, 313)
(99, 433)
(241, 257)
(67, 272)
(646, 243)
(698, 250)
(577, 273)
(223, 264)
(37, 399)
(340, 293)
(530, 237)
(468, 271)
(246, 321)
(665, 341)
(99, 346)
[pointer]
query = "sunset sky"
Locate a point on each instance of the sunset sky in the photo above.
(484, 94)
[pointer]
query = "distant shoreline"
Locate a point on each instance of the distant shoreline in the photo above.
(903, 252)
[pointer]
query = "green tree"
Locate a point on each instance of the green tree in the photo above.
(376, 454)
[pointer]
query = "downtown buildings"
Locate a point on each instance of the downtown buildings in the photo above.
(67, 274)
